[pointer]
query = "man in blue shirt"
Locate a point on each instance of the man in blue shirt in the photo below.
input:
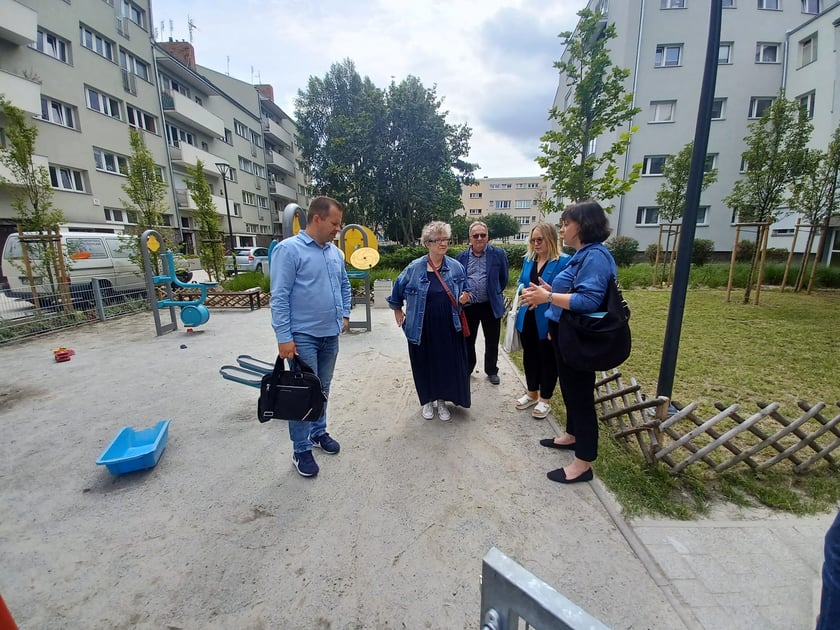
(487, 270)
(310, 308)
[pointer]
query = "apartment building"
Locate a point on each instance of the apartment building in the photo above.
(663, 43)
(518, 197)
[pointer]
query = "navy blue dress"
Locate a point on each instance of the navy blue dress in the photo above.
(439, 362)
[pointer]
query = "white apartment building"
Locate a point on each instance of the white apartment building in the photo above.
(518, 197)
(87, 72)
(663, 43)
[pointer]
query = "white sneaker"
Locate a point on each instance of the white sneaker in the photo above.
(429, 411)
(443, 412)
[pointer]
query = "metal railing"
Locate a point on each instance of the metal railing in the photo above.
(512, 597)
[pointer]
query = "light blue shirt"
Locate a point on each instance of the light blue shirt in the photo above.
(310, 290)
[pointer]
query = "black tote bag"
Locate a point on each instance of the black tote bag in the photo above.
(291, 394)
(596, 343)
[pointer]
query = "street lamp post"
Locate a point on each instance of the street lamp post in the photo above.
(224, 169)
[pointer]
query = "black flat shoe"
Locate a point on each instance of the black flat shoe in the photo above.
(559, 476)
(550, 443)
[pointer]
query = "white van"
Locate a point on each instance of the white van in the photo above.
(88, 255)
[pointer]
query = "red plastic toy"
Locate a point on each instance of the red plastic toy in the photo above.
(63, 354)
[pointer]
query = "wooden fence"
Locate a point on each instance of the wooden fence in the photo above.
(678, 437)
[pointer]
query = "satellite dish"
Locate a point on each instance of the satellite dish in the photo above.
(364, 258)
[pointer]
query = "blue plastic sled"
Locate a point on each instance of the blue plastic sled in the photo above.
(135, 450)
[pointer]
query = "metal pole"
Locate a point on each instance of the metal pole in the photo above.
(670, 348)
(230, 225)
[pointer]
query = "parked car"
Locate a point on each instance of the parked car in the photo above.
(248, 259)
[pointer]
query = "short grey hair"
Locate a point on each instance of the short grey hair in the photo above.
(431, 230)
(475, 224)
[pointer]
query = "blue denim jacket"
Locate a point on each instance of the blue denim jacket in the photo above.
(586, 275)
(412, 287)
(552, 268)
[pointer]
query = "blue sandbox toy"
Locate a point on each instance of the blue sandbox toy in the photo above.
(135, 450)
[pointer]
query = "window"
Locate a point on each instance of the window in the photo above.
(141, 120)
(527, 185)
(175, 136)
(102, 103)
(521, 204)
(502, 204)
(808, 50)
(711, 162)
(110, 162)
(256, 139)
(132, 64)
(653, 164)
(113, 215)
(67, 179)
(702, 216)
(240, 129)
(259, 170)
(168, 83)
(475, 210)
(523, 220)
(810, 6)
(237, 209)
(249, 198)
(662, 111)
(52, 45)
(728, 4)
(759, 105)
(500, 186)
(806, 102)
(647, 215)
(58, 113)
(246, 166)
(134, 13)
(475, 195)
(97, 43)
(782, 232)
(766, 52)
(228, 136)
(718, 108)
(262, 202)
(668, 55)
(673, 4)
(591, 145)
(744, 166)
(725, 53)
(769, 5)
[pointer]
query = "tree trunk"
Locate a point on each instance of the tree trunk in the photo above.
(754, 263)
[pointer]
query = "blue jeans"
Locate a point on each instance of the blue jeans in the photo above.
(320, 354)
(830, 601)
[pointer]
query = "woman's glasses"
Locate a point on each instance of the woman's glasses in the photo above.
(439, 241)
(537, 240)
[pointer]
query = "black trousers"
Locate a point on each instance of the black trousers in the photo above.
(578, 389)
(538, 359)
(492, 326)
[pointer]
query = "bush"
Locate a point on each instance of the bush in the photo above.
(623, 249)
(745, 251)
(777, 254)
(702, 251)
(650, 253)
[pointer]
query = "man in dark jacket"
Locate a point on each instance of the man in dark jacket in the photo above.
(487, 270)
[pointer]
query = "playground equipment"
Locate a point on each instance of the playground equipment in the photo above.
(193, 312)
(249, 371)
(135, 450)
(363, 256)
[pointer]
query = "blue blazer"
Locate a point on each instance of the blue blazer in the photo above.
(552, 268)
(497, 276)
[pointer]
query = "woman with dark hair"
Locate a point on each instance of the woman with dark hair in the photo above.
(579, 287)
(543, 261)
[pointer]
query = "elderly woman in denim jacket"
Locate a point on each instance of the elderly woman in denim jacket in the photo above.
(579, 287)
(431, 323)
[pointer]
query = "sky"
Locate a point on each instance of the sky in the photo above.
(491, 61)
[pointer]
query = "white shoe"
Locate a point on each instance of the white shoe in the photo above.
(429, 411)
(526, 401)
(443, 412)
(541, 410)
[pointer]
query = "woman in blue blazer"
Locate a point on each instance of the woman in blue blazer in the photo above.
(543, 260)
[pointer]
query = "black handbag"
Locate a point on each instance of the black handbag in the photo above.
(600, 342)
(294, 394)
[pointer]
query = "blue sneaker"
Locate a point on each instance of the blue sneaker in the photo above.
(305, 464)
(325, 443)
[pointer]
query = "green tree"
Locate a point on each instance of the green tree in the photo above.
(210, 246)
(598, 105)
(671, 195)
(501, 226)
(32, 194)
(776, 156)
(816, 195)
(460, 225)
(147, 196)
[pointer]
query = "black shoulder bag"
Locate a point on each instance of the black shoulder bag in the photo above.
(295, 394)
(600, 342)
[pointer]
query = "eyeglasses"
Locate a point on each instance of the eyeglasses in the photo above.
(478, 236)
(537, 240)
(439, 241)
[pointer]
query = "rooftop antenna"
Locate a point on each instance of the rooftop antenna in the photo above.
(162, 27)
(252, 74)
(171, 29)
(192, 27)
(259, 80)
(228, 66)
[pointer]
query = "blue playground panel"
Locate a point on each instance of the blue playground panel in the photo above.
(135, 450)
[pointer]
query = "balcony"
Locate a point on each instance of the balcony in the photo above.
(276, 132)
(279, 162)
(185, 201)
(178, 107)
(19, 24)
(21, 92)
(185, 154)
(6, 174)
(281, 190)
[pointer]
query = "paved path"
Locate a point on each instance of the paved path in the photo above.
(224, 534)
